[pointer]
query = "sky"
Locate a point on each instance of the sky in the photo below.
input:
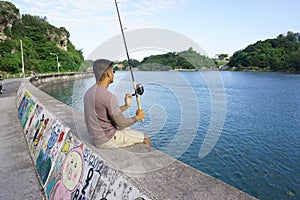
(218, 26)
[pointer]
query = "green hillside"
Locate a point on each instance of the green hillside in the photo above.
(279, 54)
(184, 60)
(41, 41)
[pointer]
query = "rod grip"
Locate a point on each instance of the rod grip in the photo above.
(139, 105)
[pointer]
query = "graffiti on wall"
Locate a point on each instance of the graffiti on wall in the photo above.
(71, 175)
(26, 107)
(20, 94)
(67, 168)
(76, 171)
(93, 160)
(33, 118)
(40, 127)
(52, 142)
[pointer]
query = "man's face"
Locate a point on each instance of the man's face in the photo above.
(111, 74)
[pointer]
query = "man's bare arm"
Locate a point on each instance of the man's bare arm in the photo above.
(124, 107)
(128, 102)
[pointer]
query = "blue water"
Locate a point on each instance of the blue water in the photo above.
(253, 120)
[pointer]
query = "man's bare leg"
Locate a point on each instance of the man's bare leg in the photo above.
(147, 141)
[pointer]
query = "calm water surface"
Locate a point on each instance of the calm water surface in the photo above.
(258, 150)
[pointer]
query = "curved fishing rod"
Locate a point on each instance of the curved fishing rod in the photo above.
(138, 89)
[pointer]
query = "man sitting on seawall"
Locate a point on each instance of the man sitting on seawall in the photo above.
(107, 126)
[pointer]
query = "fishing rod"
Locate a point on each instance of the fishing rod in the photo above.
(138, 88)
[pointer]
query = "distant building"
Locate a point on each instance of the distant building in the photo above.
(221, 57)
(119, 66)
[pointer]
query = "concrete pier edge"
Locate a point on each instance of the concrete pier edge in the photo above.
(56, 135)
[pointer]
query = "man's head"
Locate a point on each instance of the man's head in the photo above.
(101, 67)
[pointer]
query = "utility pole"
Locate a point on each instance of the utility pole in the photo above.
(56, 61)
(22, 57)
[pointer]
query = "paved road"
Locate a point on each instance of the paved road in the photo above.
(18, 179)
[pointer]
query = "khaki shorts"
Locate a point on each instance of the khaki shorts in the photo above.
(124, 138)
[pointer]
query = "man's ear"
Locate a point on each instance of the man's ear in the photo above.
(108, 74)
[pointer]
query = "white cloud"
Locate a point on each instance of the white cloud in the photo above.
(92, 11)
(69, 11)
(91, 21)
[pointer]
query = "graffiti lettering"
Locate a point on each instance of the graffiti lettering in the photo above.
(76, 196)
(93, 161)
(87, 183)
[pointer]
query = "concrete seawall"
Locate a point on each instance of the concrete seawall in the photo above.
(69, 167)
(53, 78)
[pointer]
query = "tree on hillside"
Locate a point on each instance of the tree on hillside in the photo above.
(294, 61)
(188, 59)
(222, 56)
(197, 60)
(39, 40)
(278, 54)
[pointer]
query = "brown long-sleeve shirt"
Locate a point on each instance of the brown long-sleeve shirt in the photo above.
(103, 115)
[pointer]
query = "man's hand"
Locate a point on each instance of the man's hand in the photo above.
(128, 100)
(140, 114)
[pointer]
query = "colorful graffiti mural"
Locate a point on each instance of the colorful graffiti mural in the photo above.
(33, 118)
(67, 168)
(20, 94)
(71, 175)
(52, 142)
(26, 107)
(77, 175)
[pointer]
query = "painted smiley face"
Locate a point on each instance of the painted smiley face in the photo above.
(72, 170)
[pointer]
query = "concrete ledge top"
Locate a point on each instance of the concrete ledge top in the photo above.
(161, 176)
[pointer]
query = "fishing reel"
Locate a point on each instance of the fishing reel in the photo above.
(139, 90)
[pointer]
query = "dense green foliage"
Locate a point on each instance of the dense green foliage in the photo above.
(196, 60)
(280, 54)
(135, 63)
(39, 39)
(185, 60)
